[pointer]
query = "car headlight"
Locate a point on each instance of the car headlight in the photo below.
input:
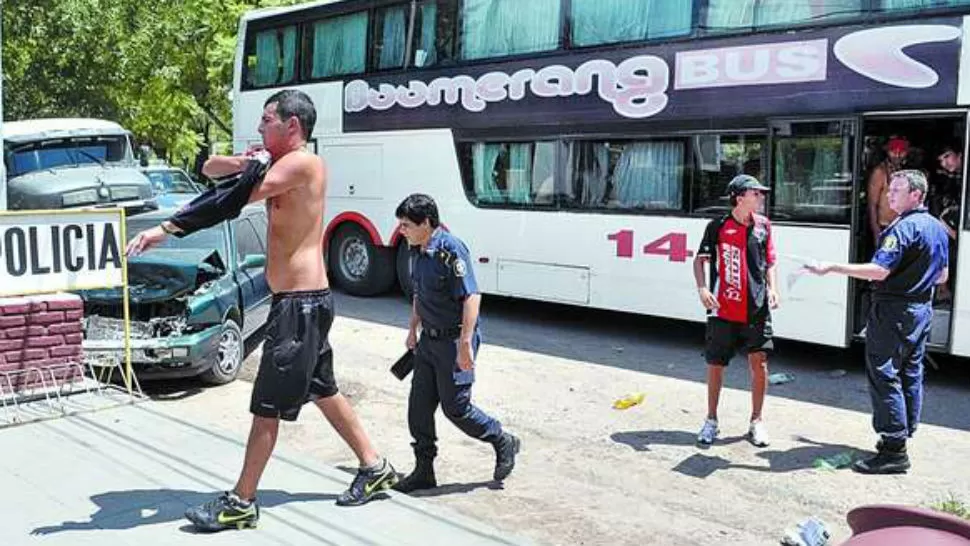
(81, 197)
(125, 192)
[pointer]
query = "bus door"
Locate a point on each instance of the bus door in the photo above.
(812, 179)
(933, 142)
(960, 316)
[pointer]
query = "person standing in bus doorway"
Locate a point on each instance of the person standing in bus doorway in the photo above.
(742, 292)
(880, 213)
(911, 260)
(943, 202)
(297, 363)
(445, 306)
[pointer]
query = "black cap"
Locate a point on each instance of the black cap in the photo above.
(743, 182)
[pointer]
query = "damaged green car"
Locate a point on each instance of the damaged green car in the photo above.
(193, 302)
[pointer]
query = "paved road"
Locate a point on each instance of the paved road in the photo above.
(593, 475)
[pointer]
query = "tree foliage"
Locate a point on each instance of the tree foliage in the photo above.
(162, 69)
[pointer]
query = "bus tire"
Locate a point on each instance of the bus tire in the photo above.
(404, 270)
(360, 267)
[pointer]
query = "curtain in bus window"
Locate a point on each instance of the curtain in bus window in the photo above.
(393, 37)
(782, 12)
(484, 158)
(426, 53)
(289, 55)
(267, 58)
(918, 4)
(650, 175)
(907, 4)
(589, 164)
(518, 177)
(544, 173)
(340, 45)
(610, 21)
(496, 28)
(728, 14)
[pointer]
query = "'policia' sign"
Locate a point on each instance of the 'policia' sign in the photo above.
(53, 251)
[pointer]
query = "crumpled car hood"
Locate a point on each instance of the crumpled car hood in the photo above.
(164, 274)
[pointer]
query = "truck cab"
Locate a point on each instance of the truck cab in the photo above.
(72, 163)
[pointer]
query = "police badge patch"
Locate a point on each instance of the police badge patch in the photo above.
(460, 268)
(890, 243)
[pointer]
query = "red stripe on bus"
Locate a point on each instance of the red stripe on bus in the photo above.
(358, 219)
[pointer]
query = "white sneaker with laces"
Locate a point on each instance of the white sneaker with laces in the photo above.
(708, 432)
(757, 434)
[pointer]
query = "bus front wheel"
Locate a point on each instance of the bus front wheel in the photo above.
(358, 266)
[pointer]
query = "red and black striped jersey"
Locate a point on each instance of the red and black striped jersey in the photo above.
(740, 257)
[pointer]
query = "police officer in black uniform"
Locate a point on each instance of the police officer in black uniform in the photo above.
(910, 261)
(445, 306)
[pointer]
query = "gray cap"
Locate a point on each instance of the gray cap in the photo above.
(743, 182)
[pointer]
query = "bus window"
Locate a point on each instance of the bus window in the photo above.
(434, 33)
(646, 175)
(498, 28)
(271, 57)
(513, 173)
(813, 172)
(900, 5)
(339, 45)
(389, 34)
(594, 22)
(718, 159)
(749, 14)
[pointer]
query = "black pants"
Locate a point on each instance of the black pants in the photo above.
(437, 378)
(297, 363)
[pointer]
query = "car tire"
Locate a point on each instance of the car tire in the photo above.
(403, 267)
(229, 356)
(358, 266)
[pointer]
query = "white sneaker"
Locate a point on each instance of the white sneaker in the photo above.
(757, 434)
(708, 432)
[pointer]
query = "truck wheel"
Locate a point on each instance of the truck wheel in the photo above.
(358, 266)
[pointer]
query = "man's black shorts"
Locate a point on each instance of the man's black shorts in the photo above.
(724, 338)
(297, 363)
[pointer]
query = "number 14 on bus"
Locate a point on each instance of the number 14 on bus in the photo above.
(672, 245)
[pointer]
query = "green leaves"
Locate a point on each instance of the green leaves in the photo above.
(162, 69)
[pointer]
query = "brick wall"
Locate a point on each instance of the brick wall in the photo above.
(39, 332)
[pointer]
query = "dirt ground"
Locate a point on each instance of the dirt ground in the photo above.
(590, 474)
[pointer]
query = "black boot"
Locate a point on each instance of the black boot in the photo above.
(505, 450)
(421, 478)
(891, 458)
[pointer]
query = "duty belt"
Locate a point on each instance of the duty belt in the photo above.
(442, 333)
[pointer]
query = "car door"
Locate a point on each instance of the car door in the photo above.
(253, 289)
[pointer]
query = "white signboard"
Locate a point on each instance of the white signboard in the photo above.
(54, 251)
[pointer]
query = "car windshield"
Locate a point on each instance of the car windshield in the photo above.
(172, 181)
(47, 154)
(213, 238)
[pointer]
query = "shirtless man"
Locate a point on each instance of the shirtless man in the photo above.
(297, 362)
(880, 215)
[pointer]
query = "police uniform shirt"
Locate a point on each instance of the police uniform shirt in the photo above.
(442, 277)
(914, 248)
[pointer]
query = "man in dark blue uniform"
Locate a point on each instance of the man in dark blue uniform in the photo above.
(910, 261)
(445, 305)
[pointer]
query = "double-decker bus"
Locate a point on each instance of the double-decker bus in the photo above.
(581, 146)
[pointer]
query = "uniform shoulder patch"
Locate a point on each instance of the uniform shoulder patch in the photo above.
(890, 243)
(459, 267)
